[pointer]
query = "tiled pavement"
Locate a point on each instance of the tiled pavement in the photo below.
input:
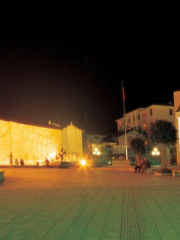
(89, 204)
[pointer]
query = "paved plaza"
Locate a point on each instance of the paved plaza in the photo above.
(88, 204)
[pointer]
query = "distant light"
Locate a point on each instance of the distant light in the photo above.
(96, 152)
(83, 162)
(155, 152)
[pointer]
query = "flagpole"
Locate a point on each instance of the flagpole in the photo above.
(123, 96)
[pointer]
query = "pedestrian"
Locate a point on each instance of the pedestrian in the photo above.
(11, 159)
(16, 161)
(22, 162)
(62, 153)
(138, 165)
(47, 162)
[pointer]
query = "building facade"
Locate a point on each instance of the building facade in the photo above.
(141, 118)
(34, 144)
(177, 122)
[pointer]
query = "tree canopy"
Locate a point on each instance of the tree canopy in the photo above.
(162, 132)
(137, 146)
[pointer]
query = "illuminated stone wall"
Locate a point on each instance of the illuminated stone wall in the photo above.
(5, 141)
(72, 140)
(31, 143)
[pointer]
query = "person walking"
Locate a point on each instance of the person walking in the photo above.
(22, 162)
(11, 159)
(16, 161)
(47, 162)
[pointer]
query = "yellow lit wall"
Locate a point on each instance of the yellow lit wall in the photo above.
(31, 143)
(72, 140)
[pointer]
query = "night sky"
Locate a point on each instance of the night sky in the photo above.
(74, 74)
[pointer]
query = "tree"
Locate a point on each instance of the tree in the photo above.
(162, 132)
(138, 146)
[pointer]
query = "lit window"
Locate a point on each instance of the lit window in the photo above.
(170, 111)
(151, 112)
(144, 115)
(144, 127)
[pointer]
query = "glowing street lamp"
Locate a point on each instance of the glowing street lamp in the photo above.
(53, 124)
(96, 152)
(155, 152)
(83, 162)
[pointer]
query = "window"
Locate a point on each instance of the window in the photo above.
(129, 120)
(138, 116)
(170, 111)
(144, 115)
(120, 123)
(151, 112)
(134, 118)
(138, 128)
(144, 127)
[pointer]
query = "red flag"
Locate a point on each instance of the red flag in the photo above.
(123, 93)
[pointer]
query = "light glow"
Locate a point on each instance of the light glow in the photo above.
(83, 162)
(155, 152)
(96, 152)
(51, 155)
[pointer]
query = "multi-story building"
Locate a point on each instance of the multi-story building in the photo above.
(141, 118)
(177, 122)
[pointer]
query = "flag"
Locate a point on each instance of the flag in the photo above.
(123, 93)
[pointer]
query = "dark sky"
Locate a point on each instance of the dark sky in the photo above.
(74, 73)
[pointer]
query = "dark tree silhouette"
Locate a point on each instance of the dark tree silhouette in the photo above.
(162, 132)
(137, 146)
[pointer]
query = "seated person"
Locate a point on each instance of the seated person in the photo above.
(145, 165)
(138, 165)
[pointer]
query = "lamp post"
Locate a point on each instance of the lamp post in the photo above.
(155, 152)
(53, 124)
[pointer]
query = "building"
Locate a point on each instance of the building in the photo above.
(177, 123)
(141, 118)
(34, 144)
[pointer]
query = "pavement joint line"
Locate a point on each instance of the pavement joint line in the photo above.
(123, 205)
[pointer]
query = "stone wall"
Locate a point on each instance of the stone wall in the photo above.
(31, 143)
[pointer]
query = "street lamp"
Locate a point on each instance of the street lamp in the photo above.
(96, 152)
(54, 124)
(155, 152)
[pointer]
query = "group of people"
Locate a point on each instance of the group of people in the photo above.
(16, 162)
(142, 164)
(62, 154)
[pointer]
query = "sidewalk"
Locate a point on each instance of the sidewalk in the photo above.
(89, 204)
